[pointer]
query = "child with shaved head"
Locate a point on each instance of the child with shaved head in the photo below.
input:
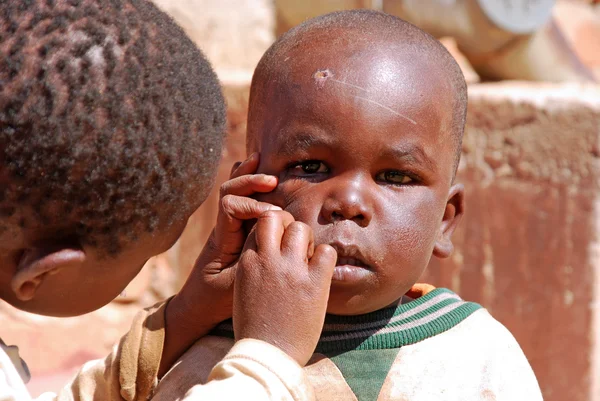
(359, 116)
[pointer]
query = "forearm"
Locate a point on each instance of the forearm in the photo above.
(179, 336)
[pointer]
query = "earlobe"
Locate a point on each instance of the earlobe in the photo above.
(37, 264)
(455, 207)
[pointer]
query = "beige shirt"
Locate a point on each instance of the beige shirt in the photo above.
(250, 370)
(477, 360)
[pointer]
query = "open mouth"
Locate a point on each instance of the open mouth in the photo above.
(350, 255)
(351, 265)
(350, 261)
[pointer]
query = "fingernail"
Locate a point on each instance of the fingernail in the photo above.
(269, 179)
(253, 156)
(275, 208)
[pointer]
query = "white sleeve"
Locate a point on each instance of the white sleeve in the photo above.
(509, 375)
(12, 387)
(254, 370)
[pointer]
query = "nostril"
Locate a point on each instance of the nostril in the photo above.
(335, 216)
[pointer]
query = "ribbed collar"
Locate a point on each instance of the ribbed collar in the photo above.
(394, 327)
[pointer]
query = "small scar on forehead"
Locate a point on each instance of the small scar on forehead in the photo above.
(321, 76)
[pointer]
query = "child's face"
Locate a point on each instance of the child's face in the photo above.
(361, 143)
(64, 279)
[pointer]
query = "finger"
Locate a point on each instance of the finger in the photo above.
(239, 208)
(269, 230)
(234, 167)
(247, 185)
(322, 263)
(298, 240)
(248, 166)
(251, 243)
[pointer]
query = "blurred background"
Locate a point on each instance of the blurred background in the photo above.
(528, 248)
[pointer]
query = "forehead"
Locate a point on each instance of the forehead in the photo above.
(350, 83)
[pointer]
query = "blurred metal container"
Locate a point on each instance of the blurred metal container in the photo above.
(502, 39)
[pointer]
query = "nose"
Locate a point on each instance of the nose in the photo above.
(349, 199)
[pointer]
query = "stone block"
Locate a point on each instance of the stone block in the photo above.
(528, 248)
(233, 34)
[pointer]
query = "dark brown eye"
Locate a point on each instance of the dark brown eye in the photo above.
(310, 167)
(394, 177)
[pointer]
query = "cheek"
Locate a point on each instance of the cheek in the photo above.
(275, 197)
(301, 199)
(304, 209)
(416, 219)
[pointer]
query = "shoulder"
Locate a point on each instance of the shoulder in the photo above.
(504, 366)
(488, 338)
(485, 331)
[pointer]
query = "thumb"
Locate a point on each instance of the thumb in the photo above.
(322, 263)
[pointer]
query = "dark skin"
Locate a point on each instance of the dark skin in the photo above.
(43, 274)
(360, 149)
(279, 254)
(361, 158)
(358, 134)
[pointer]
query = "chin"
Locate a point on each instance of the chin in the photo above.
(41, 308)
(344, 305)
(56, 306)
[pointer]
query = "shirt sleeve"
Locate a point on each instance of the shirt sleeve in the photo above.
(12, 387)
(254, 370)
(508, 376)
(129, 373)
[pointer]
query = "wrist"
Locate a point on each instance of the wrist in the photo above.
(184, 325)
(190, 316)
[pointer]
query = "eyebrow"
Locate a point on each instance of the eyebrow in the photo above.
(412, 153)
(302, 141)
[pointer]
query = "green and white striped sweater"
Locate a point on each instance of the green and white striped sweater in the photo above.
(436, 347)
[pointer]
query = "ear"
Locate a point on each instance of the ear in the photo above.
(455, 207)
(37, 264)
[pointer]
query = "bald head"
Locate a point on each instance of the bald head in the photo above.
(380, 60)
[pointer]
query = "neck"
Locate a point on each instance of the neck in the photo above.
(400, 324)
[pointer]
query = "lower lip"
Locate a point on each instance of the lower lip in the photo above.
(349, 273)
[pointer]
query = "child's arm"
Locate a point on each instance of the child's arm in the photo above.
(206, 299)
(280, 299)
(282, 288)
(132, 370)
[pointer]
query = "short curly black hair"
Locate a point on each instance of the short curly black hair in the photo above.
(112, 121)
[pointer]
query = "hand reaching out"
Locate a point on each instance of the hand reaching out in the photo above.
(282, 285)
(207, 296)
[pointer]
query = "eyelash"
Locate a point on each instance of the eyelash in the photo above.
(405, 174)
(414, 179)
(300, 165)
